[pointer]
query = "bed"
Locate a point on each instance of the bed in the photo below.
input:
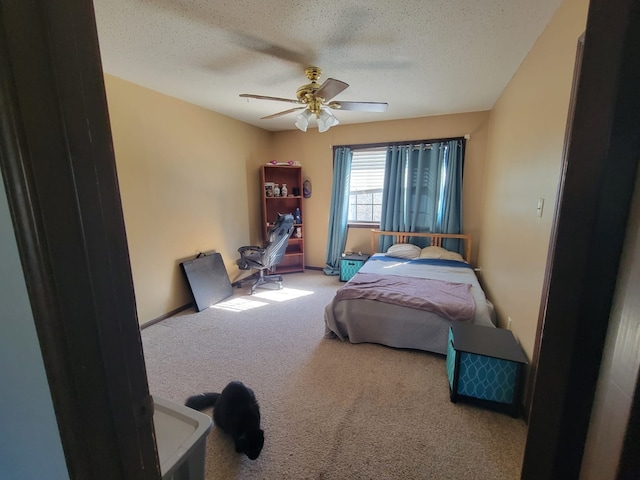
(409, 296)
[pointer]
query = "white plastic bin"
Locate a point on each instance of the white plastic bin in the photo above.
(181, 436)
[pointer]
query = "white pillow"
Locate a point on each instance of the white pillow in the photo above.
(433, 252)
(404, 250)
(439, 252)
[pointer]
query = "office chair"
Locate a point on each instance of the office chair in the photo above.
(267, 257)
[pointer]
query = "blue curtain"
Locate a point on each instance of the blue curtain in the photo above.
(450, 213)
(422, 191)
(339, 212)
(394, 213)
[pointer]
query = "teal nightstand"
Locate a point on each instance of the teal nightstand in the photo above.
(350, 264)
(485, 366)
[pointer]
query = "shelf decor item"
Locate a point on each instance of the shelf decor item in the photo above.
(284, 190)
(276, 190)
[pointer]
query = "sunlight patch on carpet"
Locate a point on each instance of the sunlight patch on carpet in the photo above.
(239, 304)
(282, 295)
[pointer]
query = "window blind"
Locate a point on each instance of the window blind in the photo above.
(367, 169)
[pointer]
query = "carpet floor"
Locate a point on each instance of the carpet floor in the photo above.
(330, 409)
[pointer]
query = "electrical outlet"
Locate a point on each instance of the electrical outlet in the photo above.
(508, 323)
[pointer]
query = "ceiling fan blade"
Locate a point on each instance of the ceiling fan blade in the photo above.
(264, 97)
(259, 45)
(330, 88)
(360, 106)
(279, 114)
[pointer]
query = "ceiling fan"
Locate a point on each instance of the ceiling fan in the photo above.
(316, 101)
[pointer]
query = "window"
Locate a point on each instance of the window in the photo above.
(367, 180)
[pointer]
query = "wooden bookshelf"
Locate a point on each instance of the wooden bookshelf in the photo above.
(272, 205)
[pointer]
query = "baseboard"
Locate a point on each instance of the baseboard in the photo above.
(165, 316)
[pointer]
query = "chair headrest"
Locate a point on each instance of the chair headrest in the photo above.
(283, 220)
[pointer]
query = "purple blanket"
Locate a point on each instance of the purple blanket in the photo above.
(447, 299)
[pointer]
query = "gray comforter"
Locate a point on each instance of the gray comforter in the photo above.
(366, 320)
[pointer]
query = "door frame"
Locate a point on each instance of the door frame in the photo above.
(596, 186)
(57, 161)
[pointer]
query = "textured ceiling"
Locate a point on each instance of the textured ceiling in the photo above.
(424, 58)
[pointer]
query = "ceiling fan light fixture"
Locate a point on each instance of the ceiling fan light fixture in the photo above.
(302, 120)
(326, 120)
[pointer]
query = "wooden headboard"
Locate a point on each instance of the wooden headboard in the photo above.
(435, 239)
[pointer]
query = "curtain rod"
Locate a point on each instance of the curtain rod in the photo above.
(363, 146)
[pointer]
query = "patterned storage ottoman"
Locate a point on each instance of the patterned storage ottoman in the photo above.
(484, 366)
(350, 264)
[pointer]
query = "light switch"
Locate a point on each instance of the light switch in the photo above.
(540, 206)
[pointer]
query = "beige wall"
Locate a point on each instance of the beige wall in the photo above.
(183, 173)
(314, 151)
(526, 136)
